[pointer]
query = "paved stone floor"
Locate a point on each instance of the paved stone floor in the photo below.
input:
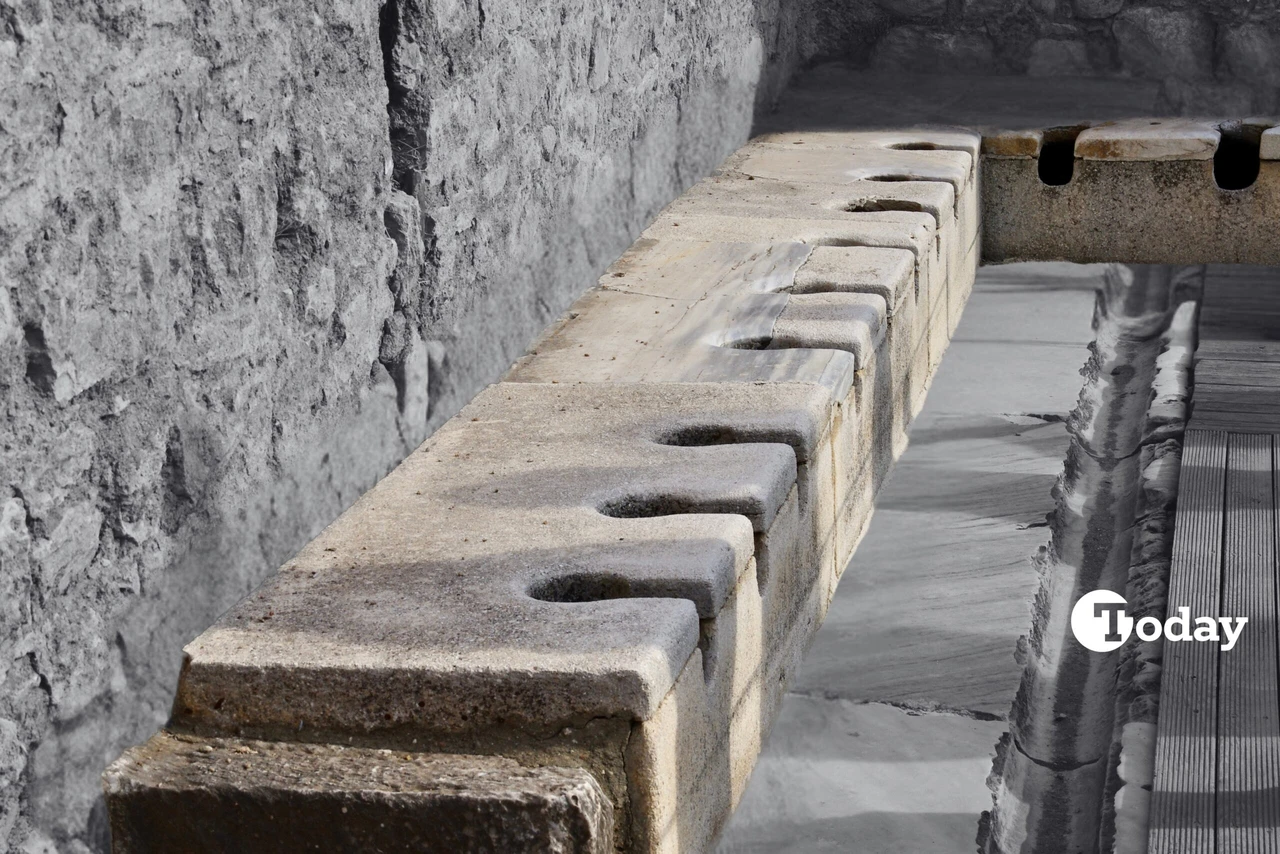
(886, 740)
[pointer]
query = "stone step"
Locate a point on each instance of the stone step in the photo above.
(185, 793)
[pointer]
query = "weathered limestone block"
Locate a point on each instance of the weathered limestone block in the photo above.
(853, 323)
(1269, 148)
(184, 793)
(889, 158)
(1147, 191)
(613, 561)
(535, 580)
(722, 315)
(675, 310)
(1144, 140)
(892, 177)
(828, 218)
(887, 273)
(686, 311)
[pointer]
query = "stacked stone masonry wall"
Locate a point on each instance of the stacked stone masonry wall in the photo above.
(1205, 57)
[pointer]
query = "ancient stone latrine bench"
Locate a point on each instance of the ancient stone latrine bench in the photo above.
(566, 622)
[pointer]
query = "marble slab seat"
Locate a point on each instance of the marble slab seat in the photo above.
(609, 564)
(1140, 191)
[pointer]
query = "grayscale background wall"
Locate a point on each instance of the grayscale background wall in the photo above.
(252, 253)
(1207, 57)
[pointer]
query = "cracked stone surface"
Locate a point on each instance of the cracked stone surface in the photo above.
(930, 609)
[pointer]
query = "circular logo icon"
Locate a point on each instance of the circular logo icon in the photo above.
(1099, 621)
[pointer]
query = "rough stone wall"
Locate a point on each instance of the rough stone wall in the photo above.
(528, 153)
(1213, 57)
(235, 294)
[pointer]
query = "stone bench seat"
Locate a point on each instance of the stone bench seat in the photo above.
(612, 561)
(595, 582)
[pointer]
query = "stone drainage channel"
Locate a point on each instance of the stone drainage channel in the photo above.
(1073, 774)
(1072, 770)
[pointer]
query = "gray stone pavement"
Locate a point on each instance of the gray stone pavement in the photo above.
(886, 740)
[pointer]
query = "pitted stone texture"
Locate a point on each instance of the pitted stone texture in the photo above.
(254, 797)
(195, 286)
(1130, 210)
(1022, 144)
(1161, 43)
(484, 582)
(539, 137)
(1143, 140)
(1270, 144)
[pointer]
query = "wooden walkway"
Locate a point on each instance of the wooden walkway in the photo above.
(1217, 763)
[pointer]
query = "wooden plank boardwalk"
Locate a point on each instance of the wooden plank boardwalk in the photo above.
(1217, 755)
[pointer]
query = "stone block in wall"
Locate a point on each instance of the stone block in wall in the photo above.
(1059, 57)
(913, 10)
(910, 48)
(547, 139)
(992, 10)
(1158, 43)
(1247, 53)
(1097, 8)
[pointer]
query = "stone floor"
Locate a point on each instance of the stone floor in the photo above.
(886, 740)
